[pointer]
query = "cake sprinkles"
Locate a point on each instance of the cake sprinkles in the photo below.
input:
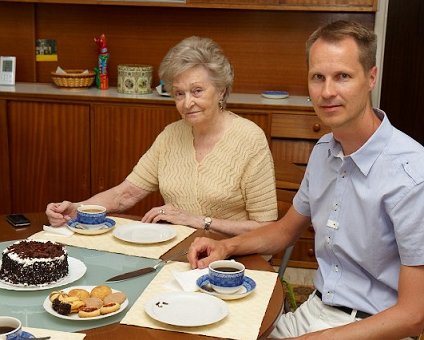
(34, 263)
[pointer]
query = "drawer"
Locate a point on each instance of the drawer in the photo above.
(303, 251)
(302, 256)
(293, 150)
(309, 233)
(297, 126)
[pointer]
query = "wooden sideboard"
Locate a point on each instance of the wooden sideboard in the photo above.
(282, 5)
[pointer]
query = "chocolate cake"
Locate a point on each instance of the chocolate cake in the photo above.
(34, 263)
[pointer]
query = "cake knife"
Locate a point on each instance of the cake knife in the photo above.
(142, 271)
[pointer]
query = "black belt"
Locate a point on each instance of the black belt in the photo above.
(359, 313)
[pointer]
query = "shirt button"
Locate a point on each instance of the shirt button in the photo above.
(336, 268)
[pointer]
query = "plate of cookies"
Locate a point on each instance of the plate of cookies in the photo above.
(85, 302)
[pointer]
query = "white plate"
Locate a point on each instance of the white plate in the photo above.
(76, 270)
(275, 94)
(186, 309)
(76, 227)
(48, 306)
(138, 232)
(248, 287)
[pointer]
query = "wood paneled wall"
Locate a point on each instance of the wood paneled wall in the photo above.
(17, 38)
(265, 47)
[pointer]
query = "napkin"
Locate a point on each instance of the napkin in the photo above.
(60, 70)
(54, 335)
(187, 279)
(63, 231)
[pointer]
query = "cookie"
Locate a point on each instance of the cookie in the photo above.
(100, 292)
(57, 295)
(76, 306)
(60, 307)
(88, 312)
(118, 297)
(80, 293)
(93, 302)
(110, 308)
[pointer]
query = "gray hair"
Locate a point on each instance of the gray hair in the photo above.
(339, 30)
(196, 51)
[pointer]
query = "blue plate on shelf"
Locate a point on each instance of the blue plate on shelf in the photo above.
(94, 229)
(275, 94)
(248, 287)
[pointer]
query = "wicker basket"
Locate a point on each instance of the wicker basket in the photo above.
(73, 78)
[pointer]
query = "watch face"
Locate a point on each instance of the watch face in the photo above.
(207, 222)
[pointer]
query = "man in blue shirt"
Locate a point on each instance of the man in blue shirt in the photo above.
(363, 191)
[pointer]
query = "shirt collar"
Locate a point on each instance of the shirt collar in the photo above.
(368, 153)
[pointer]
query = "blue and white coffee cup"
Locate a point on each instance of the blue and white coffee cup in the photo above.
(10, 328)
(226, 276)
(91, 214)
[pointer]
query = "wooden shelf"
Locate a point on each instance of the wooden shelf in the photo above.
(270, 5)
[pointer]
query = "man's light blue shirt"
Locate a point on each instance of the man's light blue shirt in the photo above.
(367, 210)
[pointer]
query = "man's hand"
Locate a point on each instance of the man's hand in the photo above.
(59, 213)
(204, 250)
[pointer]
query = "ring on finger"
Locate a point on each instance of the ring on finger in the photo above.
(162, 211)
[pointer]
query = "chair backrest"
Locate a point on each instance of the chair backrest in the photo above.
(288, 177)
(285, 261)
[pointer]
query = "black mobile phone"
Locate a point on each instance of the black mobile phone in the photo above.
(18, 220)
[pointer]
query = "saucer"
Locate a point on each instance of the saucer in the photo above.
(26, 335)
(95, 229)
(248, 287)
(275, 94)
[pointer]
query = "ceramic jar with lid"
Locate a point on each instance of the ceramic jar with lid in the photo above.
(135, 79)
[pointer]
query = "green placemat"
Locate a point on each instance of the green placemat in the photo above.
(27, 306)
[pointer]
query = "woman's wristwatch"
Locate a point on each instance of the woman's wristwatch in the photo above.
(207, 221)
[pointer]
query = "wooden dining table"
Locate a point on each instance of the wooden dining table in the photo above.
(119, 331)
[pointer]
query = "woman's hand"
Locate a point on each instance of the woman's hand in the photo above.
(170, 214)
(59, 213)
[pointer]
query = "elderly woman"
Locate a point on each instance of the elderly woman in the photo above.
(213, 168)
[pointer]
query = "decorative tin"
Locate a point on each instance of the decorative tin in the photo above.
(135, 79)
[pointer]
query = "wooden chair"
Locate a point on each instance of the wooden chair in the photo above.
(288, 178)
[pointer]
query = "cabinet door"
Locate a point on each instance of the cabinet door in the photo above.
(120, 135)
(49, 153)
(5, 204)
(262, 119)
